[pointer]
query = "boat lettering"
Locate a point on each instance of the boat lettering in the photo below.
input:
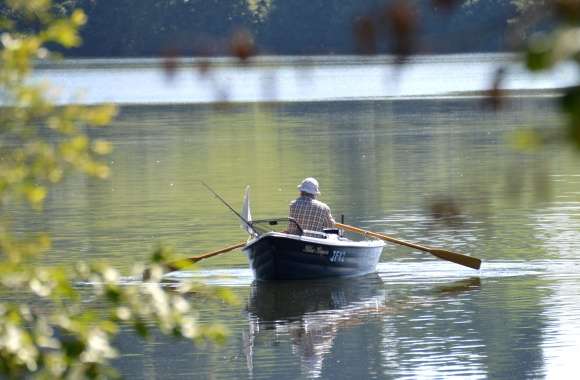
(315, 250)
(337, 256)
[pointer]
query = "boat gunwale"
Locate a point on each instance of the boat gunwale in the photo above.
(372, 243)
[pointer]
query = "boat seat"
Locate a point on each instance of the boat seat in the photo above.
(327, 233)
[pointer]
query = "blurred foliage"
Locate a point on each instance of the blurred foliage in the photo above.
(259, 9)
(57, 335)
(548, 31)
(550, 36)
(553, 46)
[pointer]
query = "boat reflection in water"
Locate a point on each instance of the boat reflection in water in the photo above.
(309, 314)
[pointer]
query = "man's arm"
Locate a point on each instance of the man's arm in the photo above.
(330, 222)
(291, 225)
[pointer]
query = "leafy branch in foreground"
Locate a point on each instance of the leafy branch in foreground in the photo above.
(548, 32)
(555, 45)
(56, 334)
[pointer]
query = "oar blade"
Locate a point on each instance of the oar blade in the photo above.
(444, 254)
(458, 258)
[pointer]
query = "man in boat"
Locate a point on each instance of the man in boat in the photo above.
(310, 213)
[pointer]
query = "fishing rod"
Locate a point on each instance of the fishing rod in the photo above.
(247, 223)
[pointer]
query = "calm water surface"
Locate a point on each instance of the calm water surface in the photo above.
(144, 81)
(394, 166)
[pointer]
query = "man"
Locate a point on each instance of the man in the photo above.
(310, 213)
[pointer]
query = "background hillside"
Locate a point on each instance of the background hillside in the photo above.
(141, 28)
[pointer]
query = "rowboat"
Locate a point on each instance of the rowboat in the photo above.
(279, 255)
(275, 256)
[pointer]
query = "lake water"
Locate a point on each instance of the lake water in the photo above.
(411, 158)
(287, 79)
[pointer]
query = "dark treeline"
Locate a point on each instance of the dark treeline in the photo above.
(141, 28)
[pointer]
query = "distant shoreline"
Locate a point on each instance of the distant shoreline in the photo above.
(459, 96)
(512, 93)
(268, 60)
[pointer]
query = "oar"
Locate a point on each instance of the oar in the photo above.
(179, 264)
(444, 254)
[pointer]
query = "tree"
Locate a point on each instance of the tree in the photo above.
(40, 144)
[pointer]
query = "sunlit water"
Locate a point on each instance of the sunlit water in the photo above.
(388, 165)
(291, 79)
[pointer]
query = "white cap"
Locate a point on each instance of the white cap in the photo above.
(310, 186)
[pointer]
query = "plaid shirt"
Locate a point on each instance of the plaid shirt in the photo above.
(310, 215)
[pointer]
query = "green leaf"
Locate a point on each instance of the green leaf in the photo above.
(539, 54)
(35, 195)
(6, 24)
(570, 104)
(64, 33)
(30, 6)
(141, 328)
(100, 116)
(73, 347)
(538, 60)
(113, 294)
(78, 17)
